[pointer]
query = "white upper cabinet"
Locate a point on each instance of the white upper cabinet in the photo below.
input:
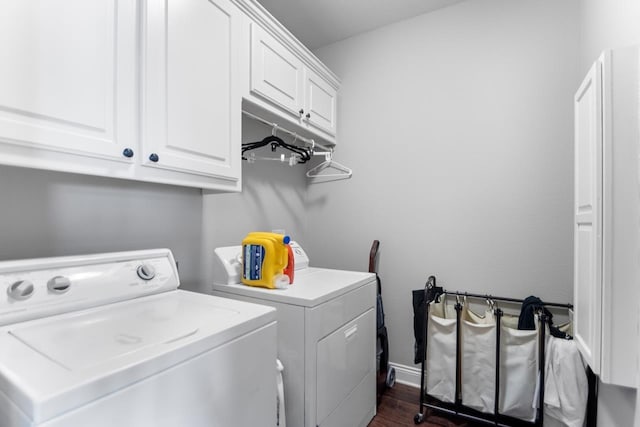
(606, 212)
(280, 77)
(320, 102)
(286, 82)
(276, 73)
(191, 97)
(67, 84)
(151, 90)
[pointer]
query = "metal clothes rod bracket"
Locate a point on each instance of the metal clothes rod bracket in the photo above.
(277, 127)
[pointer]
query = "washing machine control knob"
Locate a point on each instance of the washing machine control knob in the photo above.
(20, 290)
(59, 284)
(146, 271)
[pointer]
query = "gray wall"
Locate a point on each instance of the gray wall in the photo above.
(459, 127)
(607, 24)
(54, 214)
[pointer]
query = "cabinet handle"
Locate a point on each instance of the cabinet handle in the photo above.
(154, 157)
(308, 116)
(301, 112)
(128, 152)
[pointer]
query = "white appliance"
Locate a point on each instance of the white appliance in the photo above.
(326, 338)
(109, 340)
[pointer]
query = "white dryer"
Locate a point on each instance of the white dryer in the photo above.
(109, 340)
(326, 338)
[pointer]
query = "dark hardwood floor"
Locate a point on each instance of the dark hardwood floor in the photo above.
(400, 404)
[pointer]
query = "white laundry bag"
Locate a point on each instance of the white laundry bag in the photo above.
(518, 370)
(478, 370)
(566, 387)
(441, 351)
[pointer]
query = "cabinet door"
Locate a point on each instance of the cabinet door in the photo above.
(620, 214)
(276, 73)
(67, 83)
(588, 217)
(191, 98)
(320, 101)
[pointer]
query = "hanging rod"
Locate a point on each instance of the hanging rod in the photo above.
(492, 297)
(307, 141)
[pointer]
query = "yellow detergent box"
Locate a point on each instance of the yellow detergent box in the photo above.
(264, 258)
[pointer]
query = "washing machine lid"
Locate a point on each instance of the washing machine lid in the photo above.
(52, 365)
(311, 287)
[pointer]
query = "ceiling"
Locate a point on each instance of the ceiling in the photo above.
(318, 23)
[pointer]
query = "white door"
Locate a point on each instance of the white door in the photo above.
(67, 81)
(191, 98)
(276, 73)
(588, 217)
(320, 100)
(620, 213)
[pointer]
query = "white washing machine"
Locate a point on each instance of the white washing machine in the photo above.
(326, 338)
(109, 340)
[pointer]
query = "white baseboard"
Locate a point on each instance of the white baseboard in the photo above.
(407, 375)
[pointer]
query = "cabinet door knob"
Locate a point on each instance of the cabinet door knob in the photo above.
(301, 112)
(308, 116)
(128, 152)
(154, 157)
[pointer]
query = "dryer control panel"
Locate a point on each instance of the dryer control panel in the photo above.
(35, 288)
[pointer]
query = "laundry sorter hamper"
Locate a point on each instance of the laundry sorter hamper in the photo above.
(480, 367)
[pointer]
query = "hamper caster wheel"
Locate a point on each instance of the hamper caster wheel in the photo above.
(391, 377)
(418, 419)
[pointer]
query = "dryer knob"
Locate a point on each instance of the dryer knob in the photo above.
(146, 272)
(20, 290)
(59, 284)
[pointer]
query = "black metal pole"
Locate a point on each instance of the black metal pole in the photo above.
(592, 400)
(491, 297)
(496, 410)
(430, 293)
(542, 322)
(458, 396)
(424, 356)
